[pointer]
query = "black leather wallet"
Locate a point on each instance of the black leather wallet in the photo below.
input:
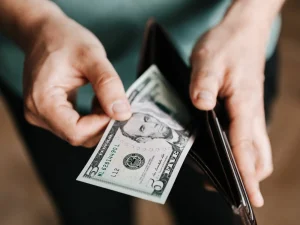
(211, 151)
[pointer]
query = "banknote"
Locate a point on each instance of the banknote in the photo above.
(142, 156)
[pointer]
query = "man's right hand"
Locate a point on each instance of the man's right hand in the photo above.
(61, 57)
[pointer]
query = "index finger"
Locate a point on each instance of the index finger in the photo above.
(241, 137)
(107, 85)
(66, 122)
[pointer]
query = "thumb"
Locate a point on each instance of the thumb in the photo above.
(109, 89)
(205, 83)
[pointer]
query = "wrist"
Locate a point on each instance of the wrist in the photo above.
(253, 14)
(29, 26)
(246, 18)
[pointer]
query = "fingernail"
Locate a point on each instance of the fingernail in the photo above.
(121, 107)
(206, 99)
(205, 95)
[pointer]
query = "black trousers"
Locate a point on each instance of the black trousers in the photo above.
(58, 165)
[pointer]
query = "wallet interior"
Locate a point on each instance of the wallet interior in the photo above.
(211, 149)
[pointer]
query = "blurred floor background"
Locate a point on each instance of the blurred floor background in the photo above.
(23, 201)
(282, 189)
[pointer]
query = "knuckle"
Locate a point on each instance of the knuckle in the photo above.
(201, 53)
(90, 52)
(29, 118)
(29, 104)
(84, 51)
(198, 76)
(74, 138)
(40, 101)
(265, 170)
(268, 171)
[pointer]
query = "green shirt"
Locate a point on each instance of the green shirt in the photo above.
(120, 24)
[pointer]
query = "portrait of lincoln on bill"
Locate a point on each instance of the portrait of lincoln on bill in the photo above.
(143, 127)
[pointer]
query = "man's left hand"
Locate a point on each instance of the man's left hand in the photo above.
(228, 62)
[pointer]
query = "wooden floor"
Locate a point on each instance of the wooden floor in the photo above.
(23, 200)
